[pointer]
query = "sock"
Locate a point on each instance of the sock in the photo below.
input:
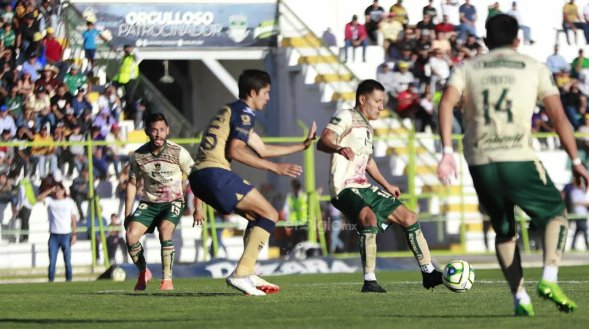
(554, 241)
(257, 238)
(248, 230)
(368, 254)
(522, 297)
(418, 245)
(510, 261)
(136, 253)
(168, 252)
(550, 273)
(427, 268)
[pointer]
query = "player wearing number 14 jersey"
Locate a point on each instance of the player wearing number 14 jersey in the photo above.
(499, 92)
(161, 164)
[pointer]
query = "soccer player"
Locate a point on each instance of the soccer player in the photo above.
(161, 164)
(348, 137)
(500, 90)
(230, 136)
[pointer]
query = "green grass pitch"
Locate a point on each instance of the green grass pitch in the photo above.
(306, 301)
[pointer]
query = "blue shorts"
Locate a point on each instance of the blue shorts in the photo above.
(219, 188)
(90, 53)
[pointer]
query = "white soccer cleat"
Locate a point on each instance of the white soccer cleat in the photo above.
(263, 285)
(244, 284)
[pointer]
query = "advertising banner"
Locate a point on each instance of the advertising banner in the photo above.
(184, 25)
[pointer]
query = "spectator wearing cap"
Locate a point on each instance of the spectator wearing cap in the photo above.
(6, 120)
(80, 103)
(53, 49)
(406, 56)
(355, 36)
(32, 67)
(14, 102)
(421, 69)
(44, 154)
(74, 79)
(7, 36)
(425, 38)
(36, 49)
(40, 103)
(89, 37)
(402, 78)
(390, 30)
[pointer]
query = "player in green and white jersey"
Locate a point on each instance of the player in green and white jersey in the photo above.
(499, 92)
(348, 137)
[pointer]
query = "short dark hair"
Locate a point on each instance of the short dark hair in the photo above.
(366, 87)
(501, 31)
(155, 117)
(252, 79)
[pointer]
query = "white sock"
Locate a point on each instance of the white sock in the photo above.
(427, 268)
(550, 273)
(522, 297)
(369, 277)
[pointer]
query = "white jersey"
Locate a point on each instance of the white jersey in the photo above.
(500, 91)
(353, 131)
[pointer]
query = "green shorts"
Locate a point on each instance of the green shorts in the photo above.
(151, 214)
(351, 201)
(503, 185)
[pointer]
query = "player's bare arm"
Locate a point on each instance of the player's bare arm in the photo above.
(374, 172)
(447, 165)
(239, 151)
(327, 143)
(564, 130)
(269, 151)
(130, 195)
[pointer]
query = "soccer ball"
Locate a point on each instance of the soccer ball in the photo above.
(458, 276)
(118, 274)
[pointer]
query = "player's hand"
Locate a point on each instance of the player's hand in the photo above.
(346, 152)
(288, 169)
(198, 217)
(311, 136)
(447, 169)
(581, 176)
(393, 190)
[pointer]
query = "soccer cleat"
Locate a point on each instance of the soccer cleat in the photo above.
(144, 277)
(372, 286)
(167, 285)
(263, 285)
(432, 279)
(552, 291)
(244, 284)
(524, 310)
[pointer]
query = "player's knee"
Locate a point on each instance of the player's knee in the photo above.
(367, 218)
(269, 213)
(403, 216)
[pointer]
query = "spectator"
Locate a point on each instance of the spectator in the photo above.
(390, 30)
(373, 17)
(445, 26)
(556, 63)
(425, 113)
(522, 24)
(44, 154)
(442, 43)
(425, 25)
(85, 121)
(128, 76)
(76, 152)
(36, 49)
(48, 80)
(111, 100)
(576, 202)
(104, 121)
(6, 153)
(425, 40)
(80, 191)
(115, 240)
(89, 37)
(26, 33)
(7, 36)
(400, 13)
(473, 46)
(14, 103)
(328, 38)
(421, 68)
(80, 103)
(62, 227)
(7, 121)
(25, 85)
(408, 102)
(440, 70)
(493, 10)
(408, 41)
(74, 79)
(386, 77)
(468, 17)
(296, 213)
(355, 36)
(61, 100)
(32, 67)
(571, 20)
(403, 78)
(23, 159)
(579, 64)
(575, 104)
(450, 9)
(430, 10)
(114, 151)
(40, 103)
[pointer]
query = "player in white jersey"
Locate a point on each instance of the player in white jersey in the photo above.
(348, 137)
(161, 164)
(499, 92)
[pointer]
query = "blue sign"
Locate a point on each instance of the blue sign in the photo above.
(183, 25)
